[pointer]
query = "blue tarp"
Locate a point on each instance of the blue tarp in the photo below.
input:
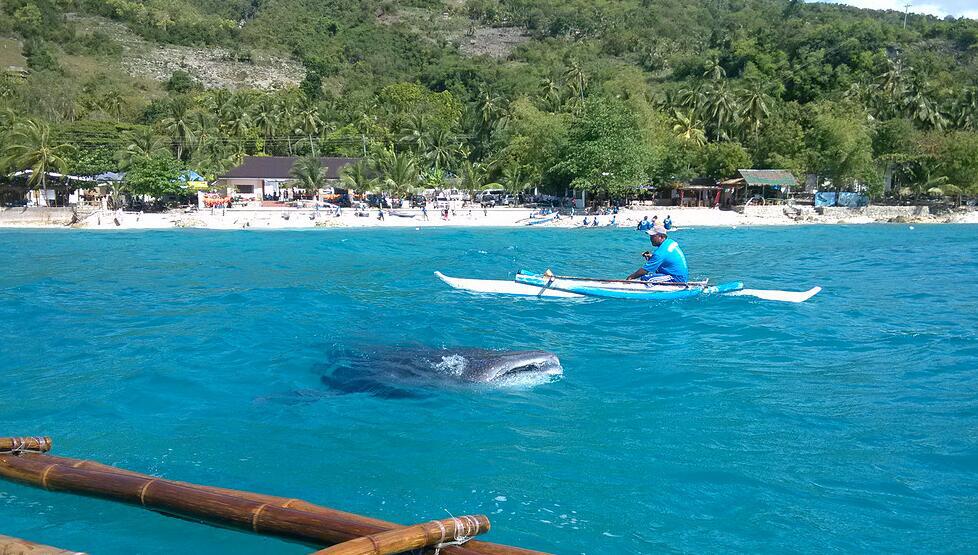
(849, 200)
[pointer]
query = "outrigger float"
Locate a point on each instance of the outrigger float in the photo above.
(549, 285)
(24, 460)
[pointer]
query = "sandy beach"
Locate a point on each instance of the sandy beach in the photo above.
(277, 218)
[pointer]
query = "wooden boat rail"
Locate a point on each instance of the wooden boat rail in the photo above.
(293, 519)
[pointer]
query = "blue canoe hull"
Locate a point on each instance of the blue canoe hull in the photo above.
(612, 292)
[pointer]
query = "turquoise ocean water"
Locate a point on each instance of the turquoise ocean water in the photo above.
(848, 423)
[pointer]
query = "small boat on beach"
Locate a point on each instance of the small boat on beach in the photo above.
(542, 219)
(401, 214)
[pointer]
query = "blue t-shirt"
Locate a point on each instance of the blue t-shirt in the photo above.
(667, 223)
(668, 259)
(644, 225)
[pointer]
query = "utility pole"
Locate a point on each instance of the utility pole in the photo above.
(906, 11)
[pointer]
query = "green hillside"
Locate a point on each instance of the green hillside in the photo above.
(602, 95)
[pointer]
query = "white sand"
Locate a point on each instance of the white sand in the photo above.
(278, 218)
(254, 218)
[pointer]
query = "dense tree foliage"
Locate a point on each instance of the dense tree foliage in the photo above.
(603, 95)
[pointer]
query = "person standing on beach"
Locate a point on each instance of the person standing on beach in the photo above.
(424, 213)
(667, 261)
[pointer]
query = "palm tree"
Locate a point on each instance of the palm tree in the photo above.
(713, 70)
(400, 173)
(177, 124)
(357, 177)
(721, 108)
(266, 120)
(29, 146)
(308, 172)
(442, 148)
(285, 117)
(414, 133)
(112, 103)
(141, 143)
(310, 123)
(514, 178)
(755, 109)
(966, 110)
(575, 76)
(489, 108)
(239, 126)
(550, 92)
(688, 128)
(920, 106)
(471, 175)
(203, 128)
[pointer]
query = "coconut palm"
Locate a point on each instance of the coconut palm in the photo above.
(688, 128)
(203, 128)
(920, 104)
(471, 175)
(489, 107)
(357, 176)
(755, 108)
(177, 124)
(720, 108)
(29, 147)
(550, 93)
(310, 123)
(442, 149)
(239, 127)
(414, 133)
(713, 70)
(140, 144)
(966, 110)
(266, 120)
(514, 178)
(308, 173)
(399, 172)
(576, 78)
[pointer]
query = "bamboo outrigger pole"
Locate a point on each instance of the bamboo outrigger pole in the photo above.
(17, 546)
(470, 548)
(265, 514)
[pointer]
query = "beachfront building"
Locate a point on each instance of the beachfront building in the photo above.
(268, 177)
(762, 186)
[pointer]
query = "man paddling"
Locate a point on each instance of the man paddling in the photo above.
(666, 263)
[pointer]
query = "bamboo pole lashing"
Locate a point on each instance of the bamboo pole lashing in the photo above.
(17, 546)
(429, 534)
(473, 547)
(39, 444)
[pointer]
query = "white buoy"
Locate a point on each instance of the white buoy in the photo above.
(417, 229)
(911, 227)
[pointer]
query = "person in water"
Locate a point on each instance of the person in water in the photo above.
(666, 261)
(667, 223)
(644, 225)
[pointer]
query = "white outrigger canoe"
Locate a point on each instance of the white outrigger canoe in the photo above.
(543, 285)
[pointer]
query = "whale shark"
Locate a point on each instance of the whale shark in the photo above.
(397, 372)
